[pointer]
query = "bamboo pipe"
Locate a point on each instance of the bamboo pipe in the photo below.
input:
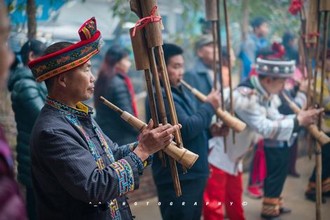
(181, 155)
(142, 63)
(155, 41)
(158, 50)
(319, 135)
(220, 59)
(324, 5)
(313, 97)
(318, 167)
(229, 61)
(153, 38)
(212, 12)
(311, 23)
(324, 54)
(166, 81)
(305, 65)
(225, 116)
(325, 8)
(311, 40)
(162, 110)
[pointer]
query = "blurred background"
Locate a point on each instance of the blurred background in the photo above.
(183, 21)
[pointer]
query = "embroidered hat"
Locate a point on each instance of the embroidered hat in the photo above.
(275, 68)
(70, 57)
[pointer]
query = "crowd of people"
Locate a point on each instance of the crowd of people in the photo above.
(75, 163)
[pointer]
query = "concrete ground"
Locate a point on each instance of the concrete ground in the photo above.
(293, 198)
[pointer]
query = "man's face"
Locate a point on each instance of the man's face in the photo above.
(206, 53)
(124, 64)
(275, 85)
(175, 69)
(262, 30)
(80, 83)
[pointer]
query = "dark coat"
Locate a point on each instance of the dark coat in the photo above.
(111, 123)
(27, 98)
(199, 78)
(194, 131)
(68, 183)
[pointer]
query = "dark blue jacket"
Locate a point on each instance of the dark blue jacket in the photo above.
(28, 97)
(67, 180)
(199, 78)
(195, 124)
(111, 123)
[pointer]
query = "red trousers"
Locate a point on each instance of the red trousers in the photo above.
(223, 190)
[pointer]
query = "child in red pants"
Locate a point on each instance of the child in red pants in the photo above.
(224, 187)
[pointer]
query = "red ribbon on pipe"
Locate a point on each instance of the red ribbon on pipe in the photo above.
(141, 23)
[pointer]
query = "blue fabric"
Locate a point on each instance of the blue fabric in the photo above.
(110, 122)
(246, 63)
(249, 51)
(192, 198)
(27, 97)
(199, 77)
(195, 124)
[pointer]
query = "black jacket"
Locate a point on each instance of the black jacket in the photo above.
(27, 98)
(194, 131)
(67, 181)
(111, 123)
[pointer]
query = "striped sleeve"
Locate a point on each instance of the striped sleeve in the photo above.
(258, 118)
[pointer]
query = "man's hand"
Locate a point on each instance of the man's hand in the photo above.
(308, 117)
(217, 129)
(214, 98)
(152, 140)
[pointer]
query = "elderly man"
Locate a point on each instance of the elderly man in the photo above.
(77, 171)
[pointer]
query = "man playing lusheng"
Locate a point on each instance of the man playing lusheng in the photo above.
(195, 125)
(78, 172)
(256, 103)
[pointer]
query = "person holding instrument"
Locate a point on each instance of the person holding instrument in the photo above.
(115, 85)
(77, 171)
(225, 174)
(310, 192)
(195, 124)
(256, 103)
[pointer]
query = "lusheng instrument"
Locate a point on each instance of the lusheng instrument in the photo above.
(319, 135)
(147, 43)
(225, 116)
(324, 9)
(181, 155)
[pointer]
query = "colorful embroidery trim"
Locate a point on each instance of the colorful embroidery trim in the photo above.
(66, 109)
(125, 176)
(71, 114)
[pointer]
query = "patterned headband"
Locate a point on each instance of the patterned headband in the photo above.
(275, 68)
(50, 65)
